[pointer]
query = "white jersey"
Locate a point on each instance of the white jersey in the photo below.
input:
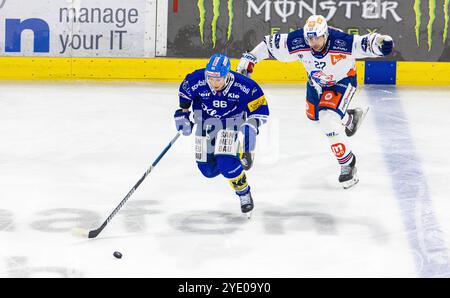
(337, 58)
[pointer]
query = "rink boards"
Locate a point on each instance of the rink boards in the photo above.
(174, 70)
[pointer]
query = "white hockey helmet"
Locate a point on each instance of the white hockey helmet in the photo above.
(316, 26)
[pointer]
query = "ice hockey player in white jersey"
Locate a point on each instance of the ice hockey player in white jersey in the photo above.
(328, 55)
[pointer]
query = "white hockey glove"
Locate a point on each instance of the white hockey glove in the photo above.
(246, 64)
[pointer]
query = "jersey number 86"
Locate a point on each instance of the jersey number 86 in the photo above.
(219, 104)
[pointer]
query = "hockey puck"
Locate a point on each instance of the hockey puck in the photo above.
(117, 254)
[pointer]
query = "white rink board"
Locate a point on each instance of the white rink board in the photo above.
(84, 28)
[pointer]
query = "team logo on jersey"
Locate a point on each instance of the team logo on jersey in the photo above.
(336, 58)
(338, 150)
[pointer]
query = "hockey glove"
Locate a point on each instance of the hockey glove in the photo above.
(182, 122)
(322, 79)
(247, 160)
(249, 130)
(385, 43)
(246, 64)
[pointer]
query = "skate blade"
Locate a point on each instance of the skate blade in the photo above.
(364, 113)
(248, 215)
(350, 183)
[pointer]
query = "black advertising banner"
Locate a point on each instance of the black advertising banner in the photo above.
(199, 28)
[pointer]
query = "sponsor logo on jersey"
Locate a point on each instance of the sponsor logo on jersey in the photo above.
(199, 83)
(255, 104)
(254, 91)
(336, 58)
(339, 150)
(215, 18)
(338, 48)
(298, 41)
(234, 96)
(340, 43)
(243, 88)
(431, 18)
(210, 111)
(205, 94)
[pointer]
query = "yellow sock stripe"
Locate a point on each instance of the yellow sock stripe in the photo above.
(240, 182)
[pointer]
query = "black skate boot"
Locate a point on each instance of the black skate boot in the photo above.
(246, 203)
(348, 175)
(358, 116)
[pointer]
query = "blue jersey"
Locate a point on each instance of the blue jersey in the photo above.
(241, 97)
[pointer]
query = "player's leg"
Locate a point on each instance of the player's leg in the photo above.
(352, 118)
(209, 168)
(332, 110)
(204, 156)
(230, 166)
(330, 124)
(329, 108)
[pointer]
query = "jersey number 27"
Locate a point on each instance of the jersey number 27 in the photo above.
(320, 65)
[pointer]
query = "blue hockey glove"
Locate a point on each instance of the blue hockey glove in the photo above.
(182, 122)
(386, 45)
(322, 79)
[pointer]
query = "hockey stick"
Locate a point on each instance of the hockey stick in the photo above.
(94, 233)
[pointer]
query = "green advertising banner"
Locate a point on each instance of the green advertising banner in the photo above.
(199, 28)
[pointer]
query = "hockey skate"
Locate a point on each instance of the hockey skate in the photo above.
(246, 204)
(348, 175)
(358, 115)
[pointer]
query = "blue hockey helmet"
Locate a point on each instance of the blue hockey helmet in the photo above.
(218, 66)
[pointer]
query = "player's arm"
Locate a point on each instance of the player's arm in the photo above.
(182, 115)
(273, 46)
(372, 45)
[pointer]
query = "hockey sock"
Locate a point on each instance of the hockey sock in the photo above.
(239, 183)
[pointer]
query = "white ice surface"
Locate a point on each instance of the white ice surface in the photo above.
(70, 151)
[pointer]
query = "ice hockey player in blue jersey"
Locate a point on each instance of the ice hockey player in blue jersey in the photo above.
(328, 55)
(224, 104)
